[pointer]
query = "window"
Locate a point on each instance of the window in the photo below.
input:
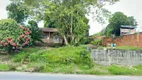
(56, 39)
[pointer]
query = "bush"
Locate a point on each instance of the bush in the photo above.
(12, 36)
(36, 34)
(97, 42)
(64, 55)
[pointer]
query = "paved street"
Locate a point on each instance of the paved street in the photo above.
(37, 76)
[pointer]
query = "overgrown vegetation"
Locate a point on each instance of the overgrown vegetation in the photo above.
(36, 34)
(4, 67)
(18, 12)
(97, 42)
(20, 57)
(67, 60)
(68, 16)
(64, 55)
(128, 48)
(115, 22)
(13, 36)
(121, 70)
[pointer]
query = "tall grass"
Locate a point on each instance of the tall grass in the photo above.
(25, 54)
(70, 60)
(63, 55)
(4, 67)
(128, 48)
(121, 70)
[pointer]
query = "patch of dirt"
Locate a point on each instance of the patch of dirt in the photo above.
(4, 58)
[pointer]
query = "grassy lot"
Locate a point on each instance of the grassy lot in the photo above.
(123, 48)
(68, 60)
(128, 48)
(4, 67)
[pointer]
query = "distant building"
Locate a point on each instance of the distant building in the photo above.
(126, 30)
(51, 35)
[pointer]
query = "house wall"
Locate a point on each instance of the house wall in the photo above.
(134, 40)
(50, 37)
(127, 31)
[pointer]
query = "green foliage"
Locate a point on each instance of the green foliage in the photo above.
(97, 42)
(49, 24)
(12, 36)
(128, 48)
(36, 34)
(64, 55)
(116, 21)
(119, 70)
(32, 50)
(20, 57)
(4, 67)
(70, 24)
(139, 69)
(9, 27)
(68, 16)
(17, 11)
(69, 60)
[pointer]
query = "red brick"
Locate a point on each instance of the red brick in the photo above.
(127, 40)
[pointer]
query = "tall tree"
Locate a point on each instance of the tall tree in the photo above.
(116, 21)
(132, 21)
(68, 16)
(17, 11)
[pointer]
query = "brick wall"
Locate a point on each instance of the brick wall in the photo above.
(127, 40)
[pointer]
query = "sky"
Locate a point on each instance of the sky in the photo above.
(128, 7)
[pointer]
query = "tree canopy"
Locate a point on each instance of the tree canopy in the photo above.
(67, 15)
(116, 21)
(17, 11)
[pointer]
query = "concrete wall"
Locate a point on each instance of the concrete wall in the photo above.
(120, 57)
(127, 40)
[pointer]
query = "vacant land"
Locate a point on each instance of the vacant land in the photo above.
(66, 60)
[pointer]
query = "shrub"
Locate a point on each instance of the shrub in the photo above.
(36, 34)
(64, 55)
(12, 36)
(4, 67)
(97, 42)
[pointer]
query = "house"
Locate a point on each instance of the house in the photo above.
(126, 30)
(51, 35)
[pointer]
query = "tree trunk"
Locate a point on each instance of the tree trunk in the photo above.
(65, 40)
(71, 27)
